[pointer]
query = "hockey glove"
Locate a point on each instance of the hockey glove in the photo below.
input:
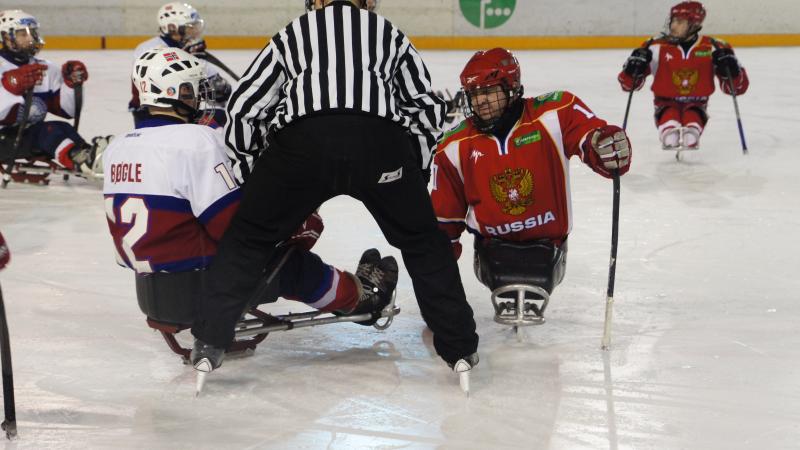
(74, 73)
(5, 254)
(196, 47)
(222, 89)
(637, 63)
(23, 78)
(307, 234)
(612, 146)
(725, 61)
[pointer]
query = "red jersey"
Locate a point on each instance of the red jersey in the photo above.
(685, 76)
(517, 189)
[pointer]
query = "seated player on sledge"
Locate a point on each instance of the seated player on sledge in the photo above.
(169, 196)
(503, 175)
(53, 92)
(683, 64)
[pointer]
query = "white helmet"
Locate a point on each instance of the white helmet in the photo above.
(165, 77)
(13, 21)
(184, 20)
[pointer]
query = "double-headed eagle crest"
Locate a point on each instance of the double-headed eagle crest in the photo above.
(513, 190)
(685, 80)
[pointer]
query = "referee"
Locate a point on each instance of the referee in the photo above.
(338, 103)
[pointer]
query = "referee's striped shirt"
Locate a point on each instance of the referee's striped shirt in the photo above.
(340, 58)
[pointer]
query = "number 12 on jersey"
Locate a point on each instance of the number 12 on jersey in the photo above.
(133, 211)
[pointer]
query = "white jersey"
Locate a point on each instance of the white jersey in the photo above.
(52, 95)
(169, 196)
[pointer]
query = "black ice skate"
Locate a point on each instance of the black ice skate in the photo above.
(88, 159)
(205, 358)
(378, 278)
(462, 367)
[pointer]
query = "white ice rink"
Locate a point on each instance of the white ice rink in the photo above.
(706, 340)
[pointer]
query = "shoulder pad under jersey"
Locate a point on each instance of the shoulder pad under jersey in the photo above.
(551, 100)
(460, 131)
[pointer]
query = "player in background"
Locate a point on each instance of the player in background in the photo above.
(503, 173)
(683, 64)
(53, 92)
(181, 26)
(169, 195)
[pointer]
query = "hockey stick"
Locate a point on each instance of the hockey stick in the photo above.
(26, 111)
(735, 102)
(612, 262)
(215, 61)
(10, 422)
(612, 265)
(78, 105)
(630, 94)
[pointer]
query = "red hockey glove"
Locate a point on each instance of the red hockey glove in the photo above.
(612, 146)
(74, 73)
(5, 254)
(307, 234)
(23, 78)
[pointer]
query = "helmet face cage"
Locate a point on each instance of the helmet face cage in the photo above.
(486, 125)
(15, 25)
(206, 97)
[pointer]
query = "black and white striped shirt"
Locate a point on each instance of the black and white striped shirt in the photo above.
(340, 59)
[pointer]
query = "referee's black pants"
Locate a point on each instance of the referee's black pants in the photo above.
(309, 162)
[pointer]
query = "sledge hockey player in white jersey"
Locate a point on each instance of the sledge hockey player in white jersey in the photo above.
(169, 197)
(52, 90)
(181, 26)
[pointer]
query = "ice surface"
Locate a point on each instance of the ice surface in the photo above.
(706, 339)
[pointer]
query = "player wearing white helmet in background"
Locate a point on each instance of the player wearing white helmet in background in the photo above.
(53, 92)
(181, 26)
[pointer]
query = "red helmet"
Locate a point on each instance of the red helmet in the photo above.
(694, 12)
(491, 67)
(497, 66)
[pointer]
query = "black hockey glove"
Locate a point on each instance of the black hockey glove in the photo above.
(637, 63)
(222, 89)
(196, 47)
(725, 62)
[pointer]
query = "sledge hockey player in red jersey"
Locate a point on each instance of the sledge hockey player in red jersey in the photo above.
(181, 26)
(683, 64)
(169, 197)
(503, 174)
(53, 92)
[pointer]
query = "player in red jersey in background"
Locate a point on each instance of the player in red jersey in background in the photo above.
(683, 64)
(503, 173)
